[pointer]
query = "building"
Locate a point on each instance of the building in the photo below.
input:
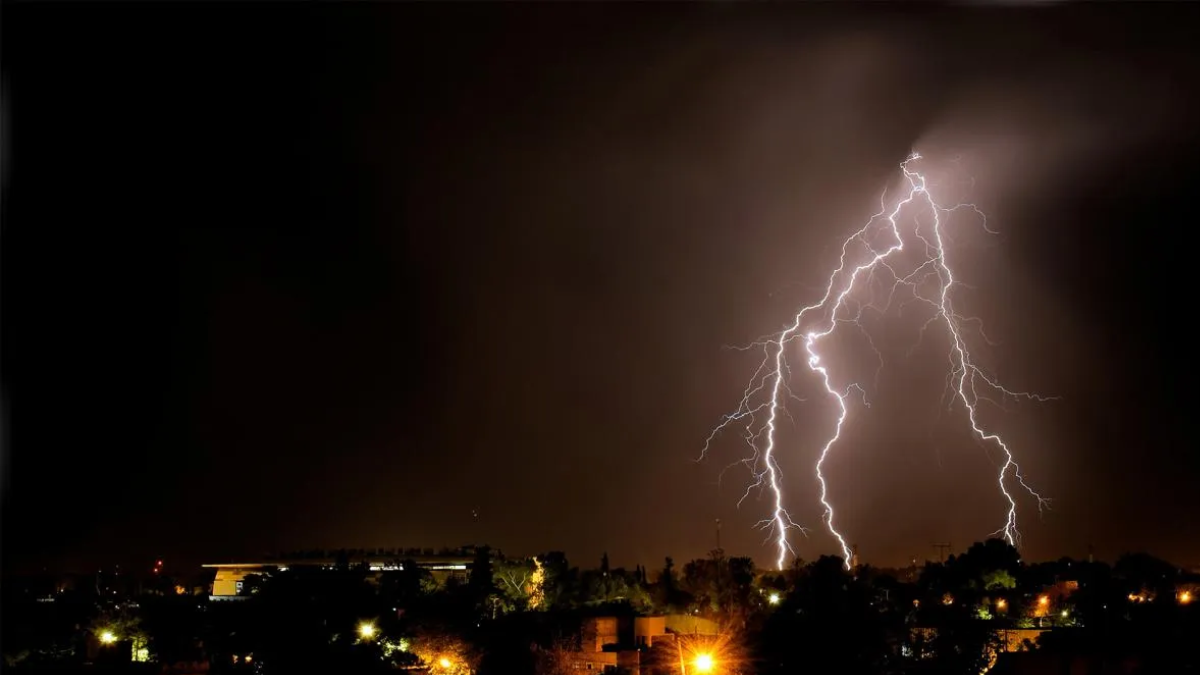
(231, 580)
(615, 645)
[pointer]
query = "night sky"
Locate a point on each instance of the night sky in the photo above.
(295, 276)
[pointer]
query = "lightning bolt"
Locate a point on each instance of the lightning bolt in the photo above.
(880, 245)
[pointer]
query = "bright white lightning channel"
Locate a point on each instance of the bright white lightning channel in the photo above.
(929, 281)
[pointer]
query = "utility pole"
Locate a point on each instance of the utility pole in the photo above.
(942, 548)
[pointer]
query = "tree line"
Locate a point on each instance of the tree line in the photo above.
(516, 615)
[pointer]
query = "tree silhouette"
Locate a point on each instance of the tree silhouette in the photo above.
(481, 582)
(827, 623)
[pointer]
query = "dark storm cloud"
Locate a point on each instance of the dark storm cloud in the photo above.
(1081, 147)
(670, 183)
(735, 156)
(404, 263)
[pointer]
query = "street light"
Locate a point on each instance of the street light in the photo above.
(444, 662)
(1185, 597)
(366, 630)
(773, 598)
(704, 663)
(108, 637)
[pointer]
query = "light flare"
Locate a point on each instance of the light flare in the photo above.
(966, 381)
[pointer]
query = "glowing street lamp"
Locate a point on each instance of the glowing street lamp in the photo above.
(704, 663)
(108, 637)
(1043, 601)
(1001, 604)
(444, 662)
(1185, 597)
(773, 598)
(366, 630)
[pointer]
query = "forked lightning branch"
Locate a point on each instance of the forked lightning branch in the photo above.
(903, 251)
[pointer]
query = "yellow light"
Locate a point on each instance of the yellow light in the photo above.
(1064, 613)
(704, 663)
(366, 630)
(1001, 603)
(1185, 597)
(249, 659)
(108, 637)
(1044, 600)
(537, 585)
(773, 598)
(444, 662)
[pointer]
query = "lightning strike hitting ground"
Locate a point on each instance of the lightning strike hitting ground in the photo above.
(928, 279)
